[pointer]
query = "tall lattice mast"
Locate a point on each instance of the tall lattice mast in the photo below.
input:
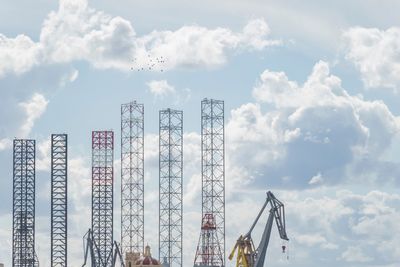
(23, 251)
(132, 177)
(211, 247)
(170, 190)
(102, 195)
(59, 200)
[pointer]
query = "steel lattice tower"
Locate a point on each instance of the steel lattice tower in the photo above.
(211, 246)
(23, 252)
(170, 190)
(132, 177)
(102, 195)
(59, 200)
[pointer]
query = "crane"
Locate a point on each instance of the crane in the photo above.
(247, 254)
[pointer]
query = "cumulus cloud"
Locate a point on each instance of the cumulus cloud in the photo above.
(78, 32)
(20, 118)
(33, 108)
(376, 55)
(43, 160)
(160, 88)
(18, 54)
(312, 130)
(320, 225)
(194, 46)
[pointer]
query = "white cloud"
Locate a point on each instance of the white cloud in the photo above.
(355, 254)
(255, 35)
(18, 54)
(69, 77)
(5, 143)
(78, 32)
(317, 179)
(192, 168)
(312, 240)
(43, 155)
(315, 127)
(376, 54)
(194, 46)
(160, 88)
(33, 108)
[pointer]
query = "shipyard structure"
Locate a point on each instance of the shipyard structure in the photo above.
(101, 247)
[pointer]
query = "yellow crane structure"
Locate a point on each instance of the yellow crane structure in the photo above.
(247, 254)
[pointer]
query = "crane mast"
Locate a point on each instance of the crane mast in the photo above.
(247, 254)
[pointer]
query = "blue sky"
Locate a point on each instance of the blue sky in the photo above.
(311, 93)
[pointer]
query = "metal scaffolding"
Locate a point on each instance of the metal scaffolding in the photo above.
(59, 200)
(102, 195)
(211, 247)
(132, 177)
(170, 189)
(23, 251)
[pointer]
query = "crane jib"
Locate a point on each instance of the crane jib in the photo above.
(247, 254)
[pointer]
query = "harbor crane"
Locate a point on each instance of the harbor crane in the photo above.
(247, 254)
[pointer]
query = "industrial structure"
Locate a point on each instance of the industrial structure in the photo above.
(102, 195)
(210, 250)
(100, 248)
(59, 207)
(99, 242)
(23, 236)
(247, 254)
(170, 187)
(132, 178)
(93, 250)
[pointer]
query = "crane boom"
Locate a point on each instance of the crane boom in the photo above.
(247, 254)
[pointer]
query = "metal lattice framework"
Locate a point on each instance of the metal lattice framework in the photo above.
(170, 190)
(102, 195)
(211, 246)
(132, 177)
(59, 200)
(23, 251)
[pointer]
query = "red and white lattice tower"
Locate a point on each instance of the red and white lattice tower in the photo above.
(211, 247)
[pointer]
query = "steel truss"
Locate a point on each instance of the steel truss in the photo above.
(132, 177)
(59, 200)
(170, 189)
(91, 249)
(211, 246)
(102, 195)
(23, 251)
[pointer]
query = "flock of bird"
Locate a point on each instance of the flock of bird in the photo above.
(151, 64)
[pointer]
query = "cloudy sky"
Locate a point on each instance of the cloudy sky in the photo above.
(311, 93)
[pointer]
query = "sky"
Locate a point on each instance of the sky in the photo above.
(311, 91)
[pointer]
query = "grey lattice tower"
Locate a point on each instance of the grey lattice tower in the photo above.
(170, 190)
(132, 177)
(59, 200)
(102, 195)
(211, 247)
(23, 251)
